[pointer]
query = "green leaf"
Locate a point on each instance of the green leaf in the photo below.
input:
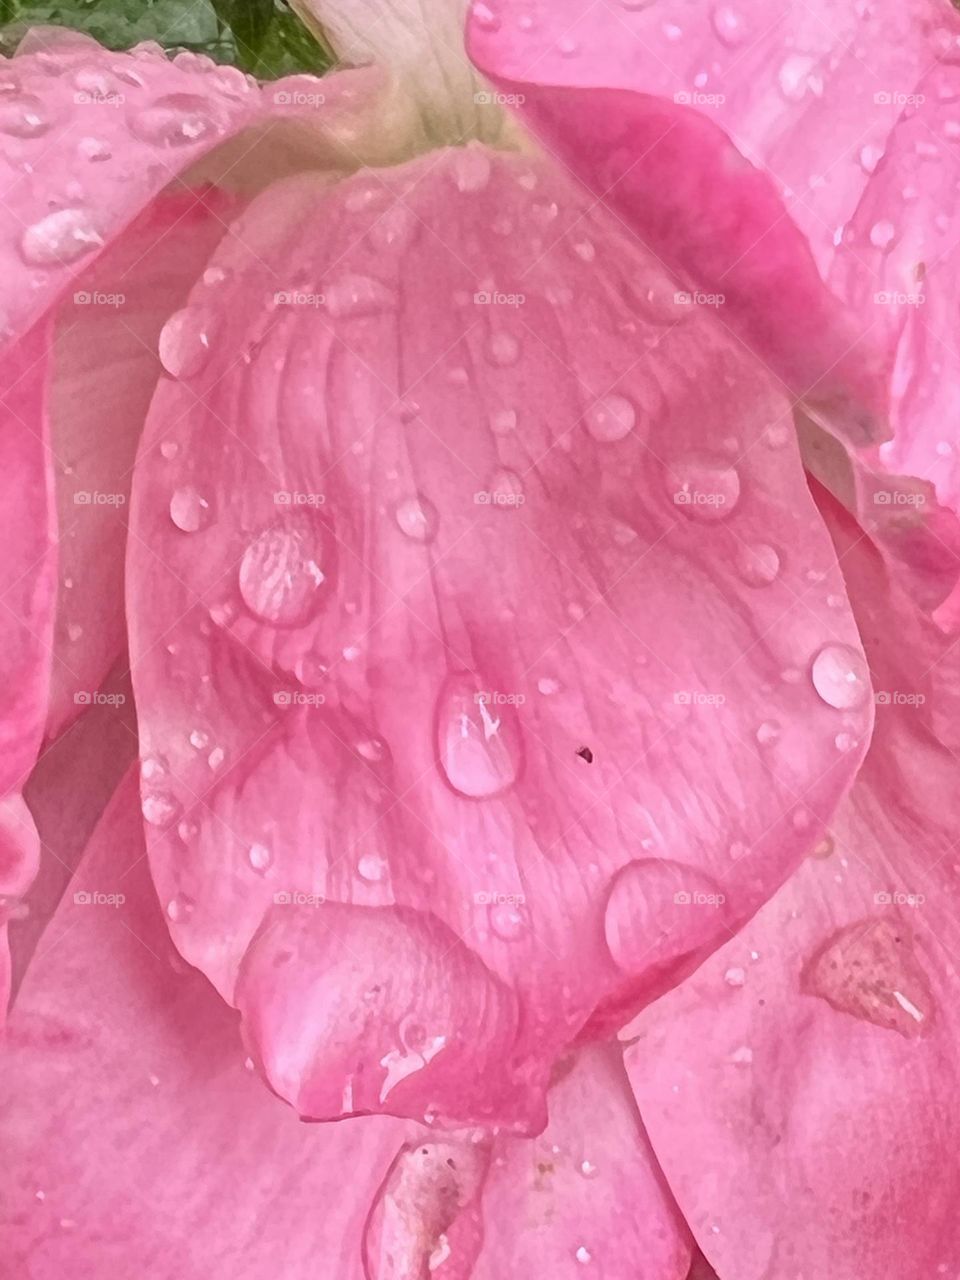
(262, 36)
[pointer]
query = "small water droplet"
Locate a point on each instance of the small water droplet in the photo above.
(179, 908)
(759, 564)
(60, 238)
(395, 227)
(176, 120)
(768, 733)
(189, 511)
(734, 977)
(508, 920)
(478, 742)
(503, 421)
(547, 685)
(611, 418)
(869, 156)
(372, 867)
(588, 1168)
(798, 76)
(281, 575)
(840, 677)
(484, 17)
(356, 295)
(503, 348)
(505, 488)
(24, 116)
(260, 857)
(882, 234)
(199, 739)
(470, 167)
(728, 25)
(184, 344)
(583, 1254)
(159, 808)
(703, 489)
(417, 517)
(169, 449)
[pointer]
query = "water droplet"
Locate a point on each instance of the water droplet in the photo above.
(176, 120)
(583, 1254)
(703, 489)
(882, 234)
(74, 632)
(588, 1168)
(478, 742)
(184, 345)
(371, 749)
(505, 488)
(169, 449)
(470, 167)
(758, 564)
(503, 421)
(840, 677)
(395, 227)
(548, 686)
(280, 574)
(24, 116)
(199, 739)
(658, 910)
(611, 418)
(259, 857)
(215, 758)
(768, 733)
(356, 295)
(484, 17)
(159, 808)
(508, 920)
(179, 908)
(503, 348)
(728, 25)
(188, 510)
(870, 970)
(870, 156)
(845, 741)
(60, 238)
(734, 977)
(372, 867)
(417, 517)
(798, 76)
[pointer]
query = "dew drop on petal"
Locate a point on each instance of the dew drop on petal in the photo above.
(417, 518)
(184, 344)
(478, 742)
(728, 24)
(175, 120)
(870, 970)
(470, 167)
(703, 489)
(840, 677)
(355, 295)
(280, 575)
(24, 116)
(189, 510)
(159, 808)
(503, 348)
(882, 234)
(758, 564)
(60, 238)
(508, 920)
(259, 857)
(610, 419)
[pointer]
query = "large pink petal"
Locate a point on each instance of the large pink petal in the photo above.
(104, 367)
(586, 1193)
(644, 102)
(799, 1090)
(428, 535)
(135, 1141)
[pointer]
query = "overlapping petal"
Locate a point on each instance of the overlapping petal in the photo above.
(134, 1138)
(807, 1074)
(90, 138)
(796, 160)
(413, 591)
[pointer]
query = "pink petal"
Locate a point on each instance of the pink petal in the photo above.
(418, 595)
(798, 1090)
(104, 367)
(587, 1193)
(135, 1142)
(643, 101)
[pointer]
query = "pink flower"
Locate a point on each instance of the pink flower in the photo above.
(502, 692)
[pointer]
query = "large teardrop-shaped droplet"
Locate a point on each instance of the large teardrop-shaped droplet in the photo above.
(282, 579)
(478, 739)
